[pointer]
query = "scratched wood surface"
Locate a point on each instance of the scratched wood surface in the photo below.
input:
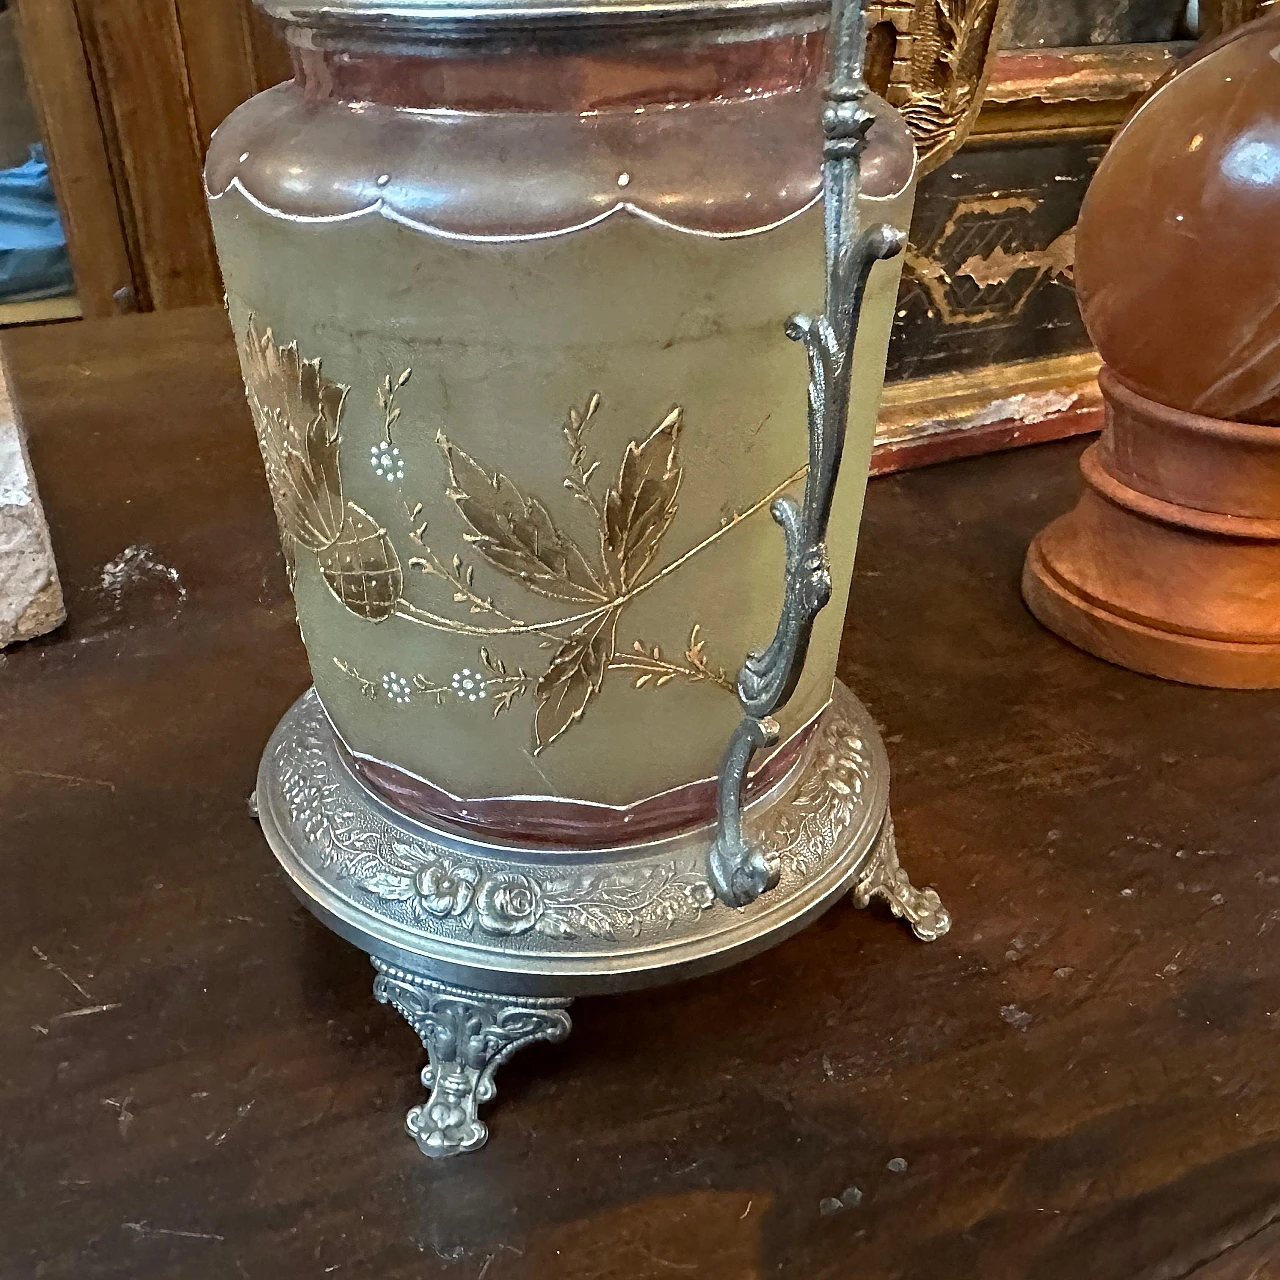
(1080, 1081)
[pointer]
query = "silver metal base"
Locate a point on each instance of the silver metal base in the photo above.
(481, 945)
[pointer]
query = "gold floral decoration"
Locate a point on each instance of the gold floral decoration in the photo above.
(514, 533)
(517, 535)
(297, 412)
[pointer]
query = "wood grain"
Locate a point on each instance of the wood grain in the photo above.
(136, 53)
(231, 51)
(271, 64)
(62, 89)
(1217, 16)
(217, 46)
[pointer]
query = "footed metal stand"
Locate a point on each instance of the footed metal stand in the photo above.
(467, 1036)
(482, 946)
(884, 878)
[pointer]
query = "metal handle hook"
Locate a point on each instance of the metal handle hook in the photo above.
(741, 871)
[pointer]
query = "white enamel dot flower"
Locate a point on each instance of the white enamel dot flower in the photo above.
(396, 687)
(386, 461)
(469, 685)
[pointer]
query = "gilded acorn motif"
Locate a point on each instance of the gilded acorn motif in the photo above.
(297, 412)
(362, 567)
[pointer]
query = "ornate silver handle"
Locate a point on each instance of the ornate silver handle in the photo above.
(740, 871)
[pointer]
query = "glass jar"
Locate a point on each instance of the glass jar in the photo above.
(510, 298)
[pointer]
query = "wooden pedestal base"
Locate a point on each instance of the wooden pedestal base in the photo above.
(1128, 643)
(1170, 564)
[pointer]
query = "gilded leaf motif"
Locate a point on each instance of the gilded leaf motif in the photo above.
(574, 677)
(296, 411)
(516, 534)
(640, 508)
(362, 568)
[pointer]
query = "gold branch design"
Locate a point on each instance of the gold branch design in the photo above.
(514, 533)
(461, 581)
(387, 401)
(367, 687)
(298, 412)
(652, 666)
(490, 683)
(423, 617)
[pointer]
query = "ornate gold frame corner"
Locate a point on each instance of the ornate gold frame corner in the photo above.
(942, 52)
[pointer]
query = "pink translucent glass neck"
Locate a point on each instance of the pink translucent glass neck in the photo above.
(611, 77)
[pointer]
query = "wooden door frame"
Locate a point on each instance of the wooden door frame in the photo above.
(128, 93)
(62, 91)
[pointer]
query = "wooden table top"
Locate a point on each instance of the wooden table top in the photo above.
(1080, 1081)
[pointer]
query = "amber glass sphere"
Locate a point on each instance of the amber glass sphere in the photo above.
(1178, 253)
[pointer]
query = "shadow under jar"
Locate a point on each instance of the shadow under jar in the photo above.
(510, 302)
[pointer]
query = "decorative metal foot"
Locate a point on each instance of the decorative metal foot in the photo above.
(884, 878)
(468, 1035)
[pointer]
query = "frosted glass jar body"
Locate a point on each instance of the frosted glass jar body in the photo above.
(513, 333)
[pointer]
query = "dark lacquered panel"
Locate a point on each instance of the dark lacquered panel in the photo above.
(989, 271)
(1034, 23)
